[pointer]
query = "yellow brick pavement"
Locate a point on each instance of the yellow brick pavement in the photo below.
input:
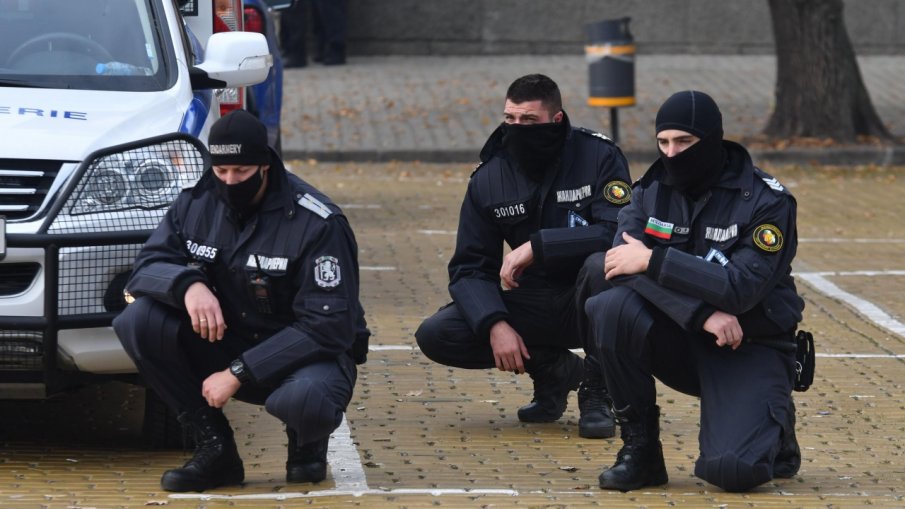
(425, 435)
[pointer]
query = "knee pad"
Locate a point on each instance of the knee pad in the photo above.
(732, 473)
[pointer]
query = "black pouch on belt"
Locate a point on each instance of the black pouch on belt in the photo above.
(804, 360)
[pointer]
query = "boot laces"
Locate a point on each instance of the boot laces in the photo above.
(593, 395)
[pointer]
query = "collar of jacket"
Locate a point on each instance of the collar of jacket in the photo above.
(494, 144)
(739, 173)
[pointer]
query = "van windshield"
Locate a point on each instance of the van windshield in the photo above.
(81, 44)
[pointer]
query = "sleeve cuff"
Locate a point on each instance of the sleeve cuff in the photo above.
(488, 322)
(657, 256)
(184, 283)
(537, 247)
(701, 316)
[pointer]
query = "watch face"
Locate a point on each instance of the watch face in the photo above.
(237, 368)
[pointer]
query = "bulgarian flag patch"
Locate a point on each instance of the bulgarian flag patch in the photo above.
(659, 229)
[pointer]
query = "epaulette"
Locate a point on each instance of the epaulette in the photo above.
(314, 205)
(477, 167)
(595, 134)
(770, 181)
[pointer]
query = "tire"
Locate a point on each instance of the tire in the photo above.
(160, 429)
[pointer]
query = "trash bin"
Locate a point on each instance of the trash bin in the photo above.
(610, 53)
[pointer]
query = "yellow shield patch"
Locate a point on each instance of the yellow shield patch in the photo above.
(768, 237)
(617, 192)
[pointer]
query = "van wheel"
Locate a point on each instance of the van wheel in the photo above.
(160, 429)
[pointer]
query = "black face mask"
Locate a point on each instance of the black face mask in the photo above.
(239, 196)
(697, 168)
(534, 148)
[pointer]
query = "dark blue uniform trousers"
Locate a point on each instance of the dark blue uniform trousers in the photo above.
(546, 318)
(174, 361)
(745, 393)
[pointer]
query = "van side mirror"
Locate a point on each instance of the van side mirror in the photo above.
(233, 59)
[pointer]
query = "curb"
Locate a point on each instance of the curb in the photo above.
(836, 156)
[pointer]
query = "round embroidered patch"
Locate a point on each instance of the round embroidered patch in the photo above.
(617, 192)
(768, 238)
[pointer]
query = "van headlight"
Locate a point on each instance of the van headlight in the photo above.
(130, 187)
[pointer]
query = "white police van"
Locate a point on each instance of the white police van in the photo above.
(102, 105)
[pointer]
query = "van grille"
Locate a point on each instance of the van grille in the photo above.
(15, 278)
(21, 350)
(24, 185)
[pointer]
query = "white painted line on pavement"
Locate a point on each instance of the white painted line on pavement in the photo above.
(862, 355)
(376, 267)
(407, 348)
(345, 463)
(360, 206)
(839, 240)
(867, 273)
(437, 232)
(336, 492)
(868, 309)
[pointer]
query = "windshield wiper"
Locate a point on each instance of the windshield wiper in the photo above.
(12, 82)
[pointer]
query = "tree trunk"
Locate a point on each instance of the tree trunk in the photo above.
(819, 90)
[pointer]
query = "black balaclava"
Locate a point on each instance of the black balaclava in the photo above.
(697, 168)
(535, 147)
(239, 138)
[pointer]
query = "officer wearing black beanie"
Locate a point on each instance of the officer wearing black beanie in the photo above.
(248, 289)
(705, 302)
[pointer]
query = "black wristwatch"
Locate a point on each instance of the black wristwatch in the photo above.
(237, 368)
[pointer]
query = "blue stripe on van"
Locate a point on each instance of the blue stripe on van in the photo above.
(196, 114)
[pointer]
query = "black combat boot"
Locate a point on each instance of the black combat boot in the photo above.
(640, 461)
(307, 462)
(594, 404)
(788, 459)
(216, 461)
(555, 373)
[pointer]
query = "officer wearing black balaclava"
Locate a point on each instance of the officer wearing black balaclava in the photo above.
(551, 192)
(705, 302)
(248, 288)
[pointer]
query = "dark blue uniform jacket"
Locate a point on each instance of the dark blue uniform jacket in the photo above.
(730, 250)
(568, 216)
(287, 279)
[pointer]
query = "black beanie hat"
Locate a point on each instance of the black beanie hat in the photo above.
(690, 111)
(238, 138)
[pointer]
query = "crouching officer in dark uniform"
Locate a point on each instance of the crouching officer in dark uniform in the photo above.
(705, 302)
(552, 193)
(248, 288)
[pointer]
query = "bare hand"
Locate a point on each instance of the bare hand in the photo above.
(625, 259)
(219, 387)
(204, 311)
(514, 263)
(726, 329)
(509, 351)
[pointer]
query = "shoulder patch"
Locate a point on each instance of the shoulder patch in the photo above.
(618, 192)
(314, 205)
(768, 237)
(594, 134)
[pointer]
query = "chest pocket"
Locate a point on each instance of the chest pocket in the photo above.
(269, 284)
(510, 212)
